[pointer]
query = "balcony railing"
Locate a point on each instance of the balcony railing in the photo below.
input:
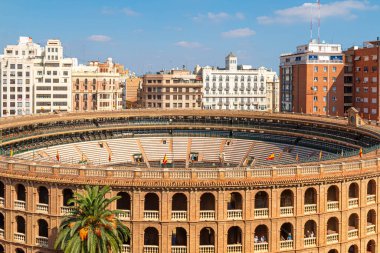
(286, 211)
(207, 215)
(234, 248)
(206, 249)
(126, 248)
(260, 247)
(42, 241)
(310, 242)
(179, 249)
(1, 233)
(42, 208)
(371, 229)
(332, 238)
(310, 208)
(151, 215)
(353, 202)
(234, 214)
(67, 210)
(354, 233)
(288, 244)
(371, 199)
(332, 205)
(1, 202)
(19, 237)
(151, 249)
(20, 204)
(124, 214)
(179, 215)
(261, 212)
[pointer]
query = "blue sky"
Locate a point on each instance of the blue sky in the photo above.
(150, 35)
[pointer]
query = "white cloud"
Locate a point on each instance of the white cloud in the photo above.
(239, 33)
(99, 38)
(188, 44)
(129, 12)
(302, 13)
(218, 17)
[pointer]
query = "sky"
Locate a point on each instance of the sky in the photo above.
(151, 35)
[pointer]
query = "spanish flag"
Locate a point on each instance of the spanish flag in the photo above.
(320, 155)
(271, 157)
(57, 156)
(11, 152)
(165, 160)
(361, 152)
(109, 158)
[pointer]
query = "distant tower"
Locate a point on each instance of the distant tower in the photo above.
(231, 62)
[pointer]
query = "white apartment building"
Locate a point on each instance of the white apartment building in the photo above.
(34, 79)
(240, 87)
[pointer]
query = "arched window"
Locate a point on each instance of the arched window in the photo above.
(21, 192)
(18, 250)
(333, 198)
(310, 233)
(261, 200)
(353, 249)
(2, 190)
(287, 203)
(77, 81)
(151, 237)
(124, 203)
(207, 237)
(371, 247)
(179, 237)
(353, 195)
(207, 208)
(332, 230)
(20, 225)
(235, 201)
(2, 223)
(43, 228)
(371, 192)
(261, 238)
(43, 195)
(353, 226)
(67, 195)
(371, 221)
(85, 81)
(234, 236)
(179, 207)
(2, 249)
(151, 202)
(94, 81)
(310, 200)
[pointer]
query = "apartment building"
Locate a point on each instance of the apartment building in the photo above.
(98, 86)
(240, 87)
(34, 79)
(172, 89)
(311, 79)
(362, 72)
(130, 93)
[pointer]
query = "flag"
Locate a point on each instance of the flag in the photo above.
(109, 158)
(165, 160)
(11, 152)
(297, 157)
(57, 156)
(361, 152)
(271, 157)
(320, 155)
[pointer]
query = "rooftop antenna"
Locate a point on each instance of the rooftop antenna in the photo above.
(319, 21)
(311, 23)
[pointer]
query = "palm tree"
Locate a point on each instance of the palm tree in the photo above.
(91, 227)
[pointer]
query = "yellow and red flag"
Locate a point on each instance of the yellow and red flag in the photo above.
(57, 156)
(361, 152)
(271, 157)
(320, 155)
(11, 152)
(109, 158)
(165, 160)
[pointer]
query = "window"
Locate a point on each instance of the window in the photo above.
(333, 108)
(315, 79)
(373, 111)
(357, 89)
(325, 79)
(374, 89)
(365, 100)
(334, 69)
(333, 88)
(333, 99)
(325, 69)
(324, 99)
(358, 99)
(315, 98)
(365, 110)
(373, 100)
(365, 89)
(374, 79)
(316, 69)
(315, 108)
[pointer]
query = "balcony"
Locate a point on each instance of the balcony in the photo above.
(67, 210)
(286, 245)
(2, 202)
(124, 214)
(286, 211)
(1, 233)
(371, 229)
(332, 238)
(20, 205)
(261, 247)
(234, 248)
(42, 241)
(206, 249)
(125, 248)
(19, 237)
(332, 206)
(42, 208)
(353, 202)
(261, 213)
(151, 215)
(151, 249)
(371, 199)
(179, 249)
(234, 214)
(352, 234)
(179, 216)
(310, 208)
(310, 242)
(207, 215)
